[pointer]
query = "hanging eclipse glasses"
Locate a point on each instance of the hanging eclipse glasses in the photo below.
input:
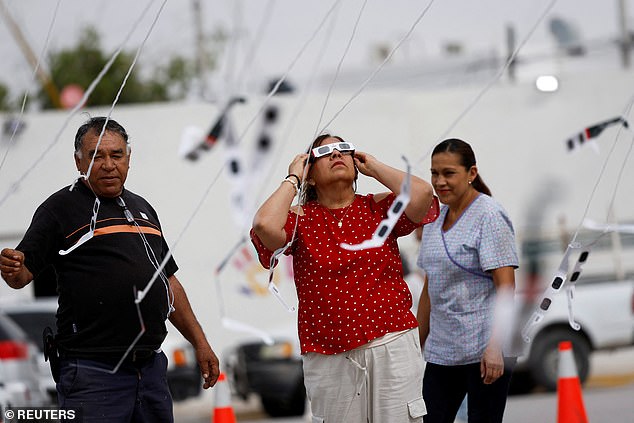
(91, 230)
(325, 150)
(559, 279)
(393, 214)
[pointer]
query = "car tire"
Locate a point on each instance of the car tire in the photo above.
(544, 356)
(293, 405)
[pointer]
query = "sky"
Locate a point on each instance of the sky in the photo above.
(275, 31)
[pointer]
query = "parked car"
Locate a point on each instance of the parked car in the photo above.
(5, 399)
(33, 317)
(183, 375)
(604, 308)
(18, 366)
(273, 372)
(14, 393)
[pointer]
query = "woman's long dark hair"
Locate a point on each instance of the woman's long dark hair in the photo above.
(467, 159)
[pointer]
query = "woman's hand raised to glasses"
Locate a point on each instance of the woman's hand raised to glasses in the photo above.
(365, 163)
(298, 164)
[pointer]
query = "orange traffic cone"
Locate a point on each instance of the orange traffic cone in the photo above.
(223, 412)
(570, 408)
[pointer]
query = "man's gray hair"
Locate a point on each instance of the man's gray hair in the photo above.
(96, 124)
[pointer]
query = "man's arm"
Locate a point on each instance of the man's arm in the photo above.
(13, 270)
(185, 321)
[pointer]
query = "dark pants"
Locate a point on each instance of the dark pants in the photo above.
(444, 388)
(137, 392)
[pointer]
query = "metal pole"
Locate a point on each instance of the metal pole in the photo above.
(624, 43)
(201, 68)
(43, 76)
(617, 247)
(510, 48)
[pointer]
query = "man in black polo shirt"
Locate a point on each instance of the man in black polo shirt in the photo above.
(105, 245)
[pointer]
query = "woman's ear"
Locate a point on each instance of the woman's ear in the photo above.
(473, 172)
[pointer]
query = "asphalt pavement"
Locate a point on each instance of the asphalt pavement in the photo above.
(607, 396)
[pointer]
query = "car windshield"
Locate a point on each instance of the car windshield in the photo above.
(9, 330)
(33, 323)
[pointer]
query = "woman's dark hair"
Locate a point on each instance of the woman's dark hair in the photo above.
(310, 193)
(96, 124)
(467, 159)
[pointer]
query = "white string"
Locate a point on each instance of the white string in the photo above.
(296, 110)
(141, 294)
(343, 56)
(280, 251)
(116, 99)
(231, 55)
(346, 50)
(492, 82)
(620, 175)
(150, 254)
(248, 60)
(627, 112)
(323, 109)
(562, 272)
(158, 271)
(219, 268)
(136, 339)
(74, 110)
(288, 70)
(279, 82)
(197, 208)
(380, 67)
(357, 93)
(33, 78)
(367, 81)
(259, 36)
(155, 263)
(300, 106)
(91, 230)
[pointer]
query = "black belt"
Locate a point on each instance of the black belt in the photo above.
(133, 357)
(139, 356)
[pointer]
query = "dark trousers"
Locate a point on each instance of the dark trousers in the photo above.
(137, 392)
(444, 388)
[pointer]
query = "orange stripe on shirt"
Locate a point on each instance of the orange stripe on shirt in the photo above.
(82, 228)
(114, 229)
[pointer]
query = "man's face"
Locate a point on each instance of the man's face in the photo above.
(112, 161)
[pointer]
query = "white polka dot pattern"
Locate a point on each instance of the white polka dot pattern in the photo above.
(347, 298)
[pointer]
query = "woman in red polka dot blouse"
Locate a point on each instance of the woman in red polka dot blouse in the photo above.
(359, 339)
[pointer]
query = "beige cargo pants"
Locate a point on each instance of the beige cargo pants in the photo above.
(379, 384)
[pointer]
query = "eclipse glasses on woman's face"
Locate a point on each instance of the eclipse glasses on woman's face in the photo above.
(328, 149)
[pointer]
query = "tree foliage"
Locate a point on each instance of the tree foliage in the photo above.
(4, 98)
(82, 63)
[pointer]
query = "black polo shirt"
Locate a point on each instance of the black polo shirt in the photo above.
(97, 314)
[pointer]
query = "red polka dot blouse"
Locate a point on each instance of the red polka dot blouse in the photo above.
(347, 298)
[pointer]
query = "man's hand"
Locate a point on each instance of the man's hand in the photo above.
(209, 365)
(12, 268)
(184, 320)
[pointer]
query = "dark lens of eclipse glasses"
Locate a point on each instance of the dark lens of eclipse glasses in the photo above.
(323, 150)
